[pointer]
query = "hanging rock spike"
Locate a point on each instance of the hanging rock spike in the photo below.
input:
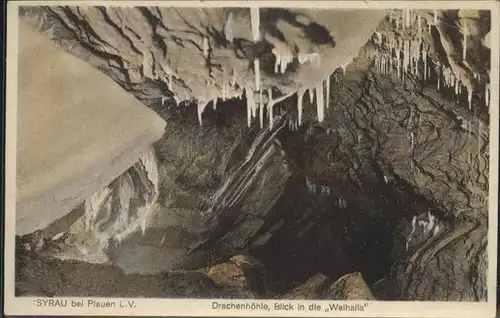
(320, 104)
(256, 66)
(205, 47)
(464, 41)
(201, 106)
(228, 28)
(261, 110)
(327, 91)
(300, 96)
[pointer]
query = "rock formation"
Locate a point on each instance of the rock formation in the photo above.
(345, 160)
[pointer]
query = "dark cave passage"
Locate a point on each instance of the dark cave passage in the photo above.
(321, 237)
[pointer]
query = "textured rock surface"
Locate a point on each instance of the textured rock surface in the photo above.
(381, 198)
(52, 277)
(215, 193)
(158, 52)
(349, 287)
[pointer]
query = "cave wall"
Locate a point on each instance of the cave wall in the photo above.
(389, 179)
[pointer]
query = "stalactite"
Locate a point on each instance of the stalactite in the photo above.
(439, 70)
(255, 22)
(403, 17)
(398, 56)
(201, 106)
(205, 47)
(251, 105)
(228, 28)
(309, 57)
(283, 56)
(327, 91)
(320, 104)
(406, 57)
(249, 115)
(256, 64)
(277, 62)
(223, 90)
(479, 134)
(214, 103)
(270, 105)
(234, 79)
(419, 26)
(469, 98)
(261, 109)
(487, 95)
(300, 96)
(311, 95)
(424, 57)
(464, 41)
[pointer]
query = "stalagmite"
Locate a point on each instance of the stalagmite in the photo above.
(163, 99)
(205, 47)
(320, 104)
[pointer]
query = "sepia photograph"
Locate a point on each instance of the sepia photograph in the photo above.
(253, 152)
